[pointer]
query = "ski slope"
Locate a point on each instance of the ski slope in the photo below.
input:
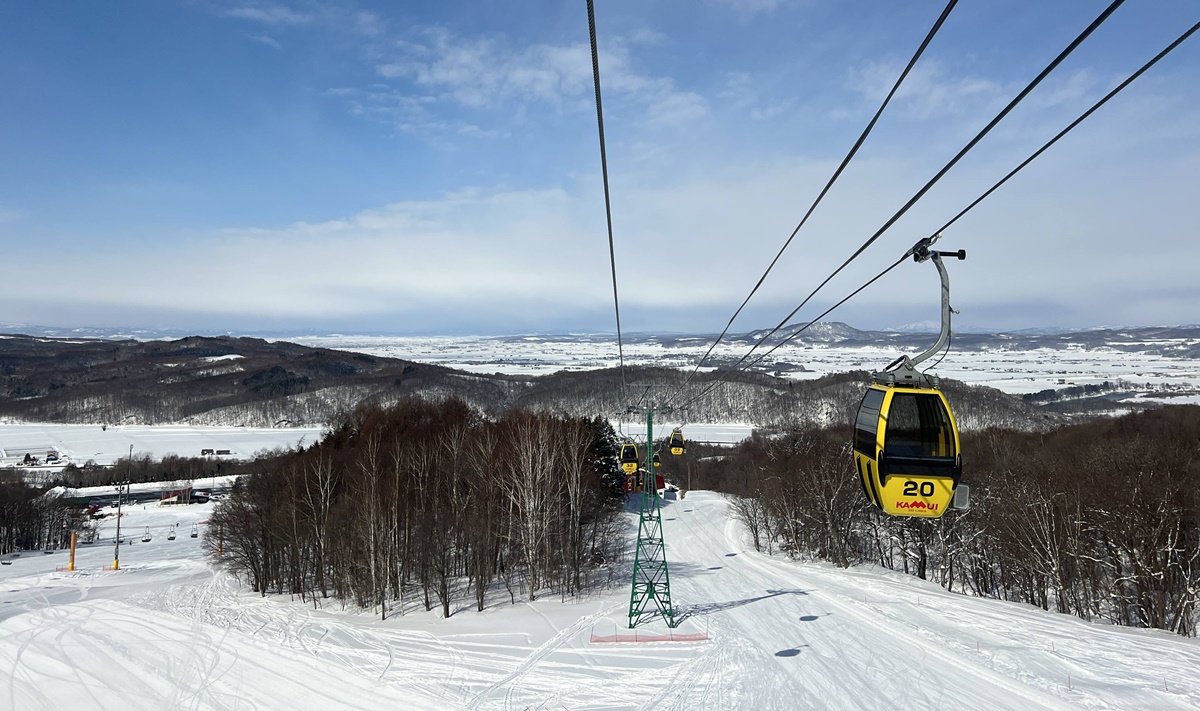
(169, 632)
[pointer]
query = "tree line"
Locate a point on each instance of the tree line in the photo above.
(29, 521)
(445, 504)
(1099, 520)
(430, 503)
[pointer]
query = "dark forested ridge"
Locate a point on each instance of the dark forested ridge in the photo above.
(252, 382)
(221, 380)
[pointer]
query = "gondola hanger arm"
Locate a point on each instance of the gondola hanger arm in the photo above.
(921, 252)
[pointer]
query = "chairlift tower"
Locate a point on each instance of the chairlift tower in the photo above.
(650, 595)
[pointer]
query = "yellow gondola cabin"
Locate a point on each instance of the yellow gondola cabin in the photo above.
(906, 446)
(629, 458)
(676, 442)
(906, 450)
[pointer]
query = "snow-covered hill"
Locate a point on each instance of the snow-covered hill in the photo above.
(169, 632)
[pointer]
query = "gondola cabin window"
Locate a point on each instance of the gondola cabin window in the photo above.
(918, 426)
(866, 426)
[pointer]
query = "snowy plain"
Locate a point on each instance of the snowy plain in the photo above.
(1012, 371)
(170, 631)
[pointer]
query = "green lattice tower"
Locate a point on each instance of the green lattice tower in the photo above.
(651, 591)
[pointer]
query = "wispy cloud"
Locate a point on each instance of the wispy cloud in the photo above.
(677, 108)
(332, 17)
(740, 94)
(928, 90)
(268, 41)
(269, 14)
(367, 23)
(485, 73)
(750, 7)
(1072, 89)
(431, 74)
(481, 73)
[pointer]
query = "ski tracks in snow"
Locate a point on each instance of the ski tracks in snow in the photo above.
(511, 682)
(854, 639)
(416, 661)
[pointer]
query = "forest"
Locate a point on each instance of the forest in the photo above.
(430, 502)
(1100, 520)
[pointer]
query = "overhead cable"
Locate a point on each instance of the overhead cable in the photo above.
(612, 254)
(738, 366)
(1073, 124)
(837, 173)
(953, 161)
(1120, 87)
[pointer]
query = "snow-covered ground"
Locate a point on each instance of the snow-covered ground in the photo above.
(1012, 371)
(169, 632)
(141, 490)
(105, 445)
(710, 433)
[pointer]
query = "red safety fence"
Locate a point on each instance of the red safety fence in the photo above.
(646, 637)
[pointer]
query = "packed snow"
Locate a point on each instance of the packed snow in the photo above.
(169, 631)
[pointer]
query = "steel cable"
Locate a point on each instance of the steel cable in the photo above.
(953, 161)
(612, 254)
(836, 174)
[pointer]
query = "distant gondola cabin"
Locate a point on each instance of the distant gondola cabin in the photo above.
(676, 442)
(629, 458)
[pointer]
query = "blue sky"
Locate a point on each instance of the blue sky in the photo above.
(433, 167)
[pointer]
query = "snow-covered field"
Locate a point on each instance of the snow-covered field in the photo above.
(1012, 371)
(167, 631)
(105, 445)
(80, 443)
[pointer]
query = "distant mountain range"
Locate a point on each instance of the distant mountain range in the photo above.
(253, 382)
(1174, 341)
(820, 332)
(152, 376)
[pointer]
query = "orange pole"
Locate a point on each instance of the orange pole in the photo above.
(220, 539)
(71, 562)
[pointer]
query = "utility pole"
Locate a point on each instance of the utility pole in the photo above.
(651, 581)
(117, 537)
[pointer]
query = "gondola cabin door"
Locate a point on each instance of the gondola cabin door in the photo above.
(906, 450)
